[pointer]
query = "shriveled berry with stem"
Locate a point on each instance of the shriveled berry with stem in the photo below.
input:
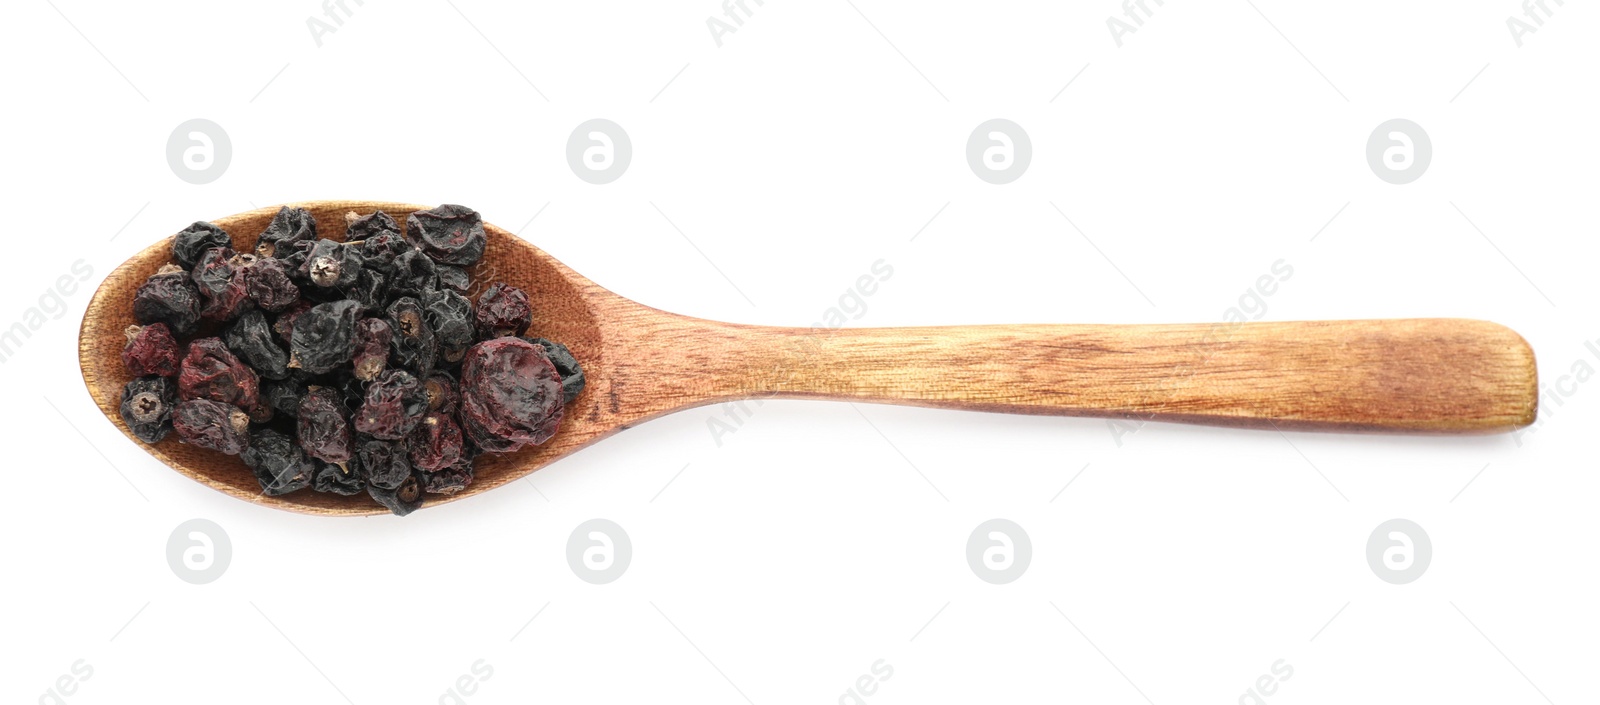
(361, 227)
(193, 241)
(412, 274)
(268, 284)
(251, 339)
(566, 365)
(289, 225)
(450, 234)
(322, 426)
(450, 480)
(502, 310)
(403, 499)
(168, 297)
(212, 425)
(331, 264)
(435, 444)
(449, 314)
(338, 479)
(210, 371)
(151, 350)
(278, 464)
(324, 336)
(383, 464)
(373, 337)
(393, 405)
(414, 345)
(443, 395)
(510, 394)
(147, 404)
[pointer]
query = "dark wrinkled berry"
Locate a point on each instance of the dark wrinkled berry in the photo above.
(449, 234)
(322, 426)
(450, 480)
(392, 406)
(168, 297)
(383, 463)
(325, 336)
(193, 241)
(453, 278)
(382, 249)
(443, 395)
(284, 395)
(279, 465)
(151, 350)
(403, 500)
(268, 284)
(449, 314)
(212, 425)
(502, 310)
(263, 413)
(566, 365)
(251, 339)
(435, 443)
(361, 227)
(331, 264)
(210, 371)
(338, 479)
(414, 346)
(373, 337)
(510, 394)
(283, 325)
(289, 225)
(412, 274)
(147, 404)
(370, 289)
(221, 286)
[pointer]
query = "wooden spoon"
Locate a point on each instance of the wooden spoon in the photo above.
(1415, 376)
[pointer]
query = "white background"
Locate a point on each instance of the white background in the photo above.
(782, 563)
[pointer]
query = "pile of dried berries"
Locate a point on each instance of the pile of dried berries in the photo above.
(344, 367)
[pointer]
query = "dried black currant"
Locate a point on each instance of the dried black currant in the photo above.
(251, 339)
(221, 286)
(323, 426)
(168, 297)
(402, 500)
(502, 310)
(212, 425)
(210, 371)
(324, 336)
(382, 249)
(453, 278)
(414, 346)
(449, 314)
(147, 404)
(268, 284)
(443, 396)
(435, 443)
(193, 241)
(412, 274)
(284, 395)
(450, 480)
(373, 337)
(289, 225)
(361, 227)
(510, 395)
(566, 365)
(383, 464)
(279, 465)
(450, 234)
(338, 479)
(371, 289)
(151, 350)
(392, 406)
(331, 264)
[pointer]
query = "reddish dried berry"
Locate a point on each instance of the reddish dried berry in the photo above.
(283, 325)
(510, 394)
(502, 310)
(151, 350)
(325, 336)
(287, 226)
(210, 371)
(221, 285)
(192, 242)
(267, 282)
(450, 480)
(279, 465)
(566, 365)
(147, 404)
(322, 426)
(449, 234)
(435, 444)
(373, 336)
(392, 406)
(212, 425)
(168, 297)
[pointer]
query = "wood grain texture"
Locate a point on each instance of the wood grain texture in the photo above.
(1415, 376)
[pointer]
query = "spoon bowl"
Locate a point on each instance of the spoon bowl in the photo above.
(1436, 376)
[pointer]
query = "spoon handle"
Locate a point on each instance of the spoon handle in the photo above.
(1412, 375)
